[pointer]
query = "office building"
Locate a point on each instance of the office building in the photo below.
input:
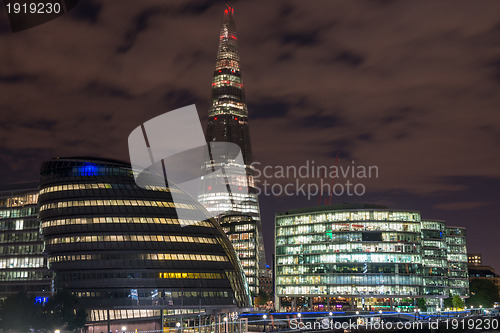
(458, 277)
(365, 257)
(228, 122)
(434, 262)
(23, 266)
(123, 252)
(475, 259)
(242, 232)
(266, 282)
(478, 271)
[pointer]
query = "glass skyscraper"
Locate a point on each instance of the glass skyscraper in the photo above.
(23, 266)
(238, 211)
(366, 256)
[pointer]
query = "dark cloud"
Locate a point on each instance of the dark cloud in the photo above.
(179, 97)
(285, 56)
(198, 7)
(401, 135)
(105, 89)
(350, 58)
(25, 162)
(492, 131)
(365, 137)
(17, 78)
(460, 206)
(495, 67)
(268, 109)
(138, 25)
(321, 120)
(41, 124)
(285, 10)
(301, 38)
(341, 148)
(397, 115)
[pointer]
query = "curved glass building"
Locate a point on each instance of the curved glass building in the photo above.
(359, 256)
(122, 251)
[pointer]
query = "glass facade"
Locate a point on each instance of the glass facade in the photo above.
(435, 262)
(458, 281)
(228, 122)
(363, 256)
(121, 248)
(242, 232)
(23, 266)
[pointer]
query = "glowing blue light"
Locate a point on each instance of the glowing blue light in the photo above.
(40, 299)
(88, 169)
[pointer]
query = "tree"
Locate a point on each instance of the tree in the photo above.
(262, 299)
(64, 312)
(421, 304)
(20, 313)
(482, 292)
(448, 302)
(458, 302)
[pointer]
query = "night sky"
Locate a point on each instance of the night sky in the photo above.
(410, 87)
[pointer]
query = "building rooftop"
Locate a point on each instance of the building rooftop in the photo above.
(482, 271)
(92, 158)
(343, 206)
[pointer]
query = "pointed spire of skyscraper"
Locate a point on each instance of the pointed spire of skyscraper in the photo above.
(228, 114)
(228, 26)
(238, 213)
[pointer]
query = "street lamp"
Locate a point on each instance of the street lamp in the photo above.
(225, 326)
(265, 317)
(124, 328)
(439, 312)
(299, 314)
(399, 311)
(57, 331)
(380, 311)
(330, 314)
